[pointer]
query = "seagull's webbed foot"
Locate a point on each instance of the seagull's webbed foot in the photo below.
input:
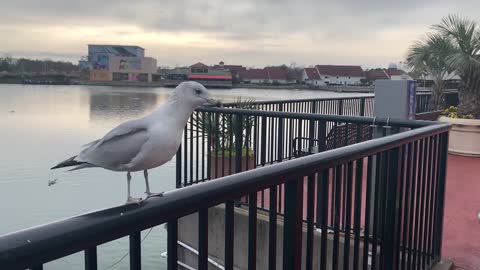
(131, 200)
(150, 194)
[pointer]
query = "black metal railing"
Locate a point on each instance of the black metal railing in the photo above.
(352, 106)
(392, 217)
(219, 142)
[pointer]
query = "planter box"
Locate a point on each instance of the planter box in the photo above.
(220, 166)
(464, 136)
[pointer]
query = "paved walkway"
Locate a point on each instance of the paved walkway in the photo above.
(461, 235)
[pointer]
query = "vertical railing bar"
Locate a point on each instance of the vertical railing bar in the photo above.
(323, 181)
(209, 145)
(391, 229)
(135, 251)
(272, 230)
(399, 246)
(422, 203)
(430, 199)
(417, 200)
(197, 169)
(203, 239)
(178, 167)
(252, 231)
(406, 208)
(412, 216)
(172, 237)
(377, 183)
(434, 182)
(441, 194)
(357, 213)
(336, 213)
(292, 237)
(191, 148)
(310, 220)
(185, 152)
(368, 206)
(203, 146)
(348, 212)
(229, 234)
(91, 258)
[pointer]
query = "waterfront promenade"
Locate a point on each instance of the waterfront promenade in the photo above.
(461, 235)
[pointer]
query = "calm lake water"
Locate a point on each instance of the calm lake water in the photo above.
(42, 125)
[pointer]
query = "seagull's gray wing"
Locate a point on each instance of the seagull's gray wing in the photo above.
(118, 147)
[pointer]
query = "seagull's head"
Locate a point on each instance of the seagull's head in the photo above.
(195, 94)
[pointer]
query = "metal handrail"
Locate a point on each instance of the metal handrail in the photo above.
(48, 242)
(326, 117)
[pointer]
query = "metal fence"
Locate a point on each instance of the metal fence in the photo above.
(352, 106)
(397, 182)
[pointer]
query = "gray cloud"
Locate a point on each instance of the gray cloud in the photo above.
(255, 25)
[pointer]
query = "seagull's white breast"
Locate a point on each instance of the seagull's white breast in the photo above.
(161, 146)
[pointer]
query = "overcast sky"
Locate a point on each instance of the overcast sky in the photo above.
(249, 32)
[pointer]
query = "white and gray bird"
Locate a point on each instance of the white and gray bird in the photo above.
(145, 143)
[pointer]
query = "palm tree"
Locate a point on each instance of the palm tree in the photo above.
(464, 36)
(428, 57)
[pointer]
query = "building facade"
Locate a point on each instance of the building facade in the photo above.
(119, 63)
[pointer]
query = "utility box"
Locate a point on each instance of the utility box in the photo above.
(395, 99)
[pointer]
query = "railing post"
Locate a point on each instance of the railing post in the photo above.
(391, 225)
(238, 142)
(172, 235)
(91, 258)
(362, 106)
(280, 136)
(440, 207)
(340, 106)
(135, 252)
(263, 141)
(178, 167)
(292, 234)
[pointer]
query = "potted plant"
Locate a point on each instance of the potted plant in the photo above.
(460, 54)
(225, 132)
(465, 133)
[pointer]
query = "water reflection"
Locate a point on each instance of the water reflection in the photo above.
(116, 107)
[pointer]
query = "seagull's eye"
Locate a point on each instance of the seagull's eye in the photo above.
(198, 91)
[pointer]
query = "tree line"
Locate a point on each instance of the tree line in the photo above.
(24, 65)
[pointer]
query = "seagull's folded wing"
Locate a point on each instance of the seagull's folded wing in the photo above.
(118, 147)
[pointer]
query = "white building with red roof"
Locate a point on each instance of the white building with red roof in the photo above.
(311, 76)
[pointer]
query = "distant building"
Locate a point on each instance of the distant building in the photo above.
(391, 73)
(267, 75)
(208, 76)
(119, 63)
(254, 75)
(333, 75)
(312, 77)
(340, 75)
(234, 70)
(278, 75)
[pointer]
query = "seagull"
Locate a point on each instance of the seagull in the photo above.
(144, 143)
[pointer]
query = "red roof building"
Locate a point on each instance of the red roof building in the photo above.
(311, 74)
(340, 71)
(373, 75)
(254, 74)
(277, 74)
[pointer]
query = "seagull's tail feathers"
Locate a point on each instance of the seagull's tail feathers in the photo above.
(71, 162)
(82, 166)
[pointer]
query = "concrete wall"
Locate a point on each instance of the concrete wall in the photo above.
(188, 233)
